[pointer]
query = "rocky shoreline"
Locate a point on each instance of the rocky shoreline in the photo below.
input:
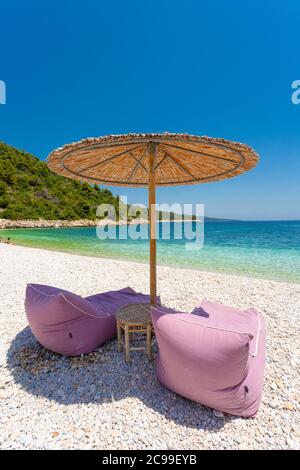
(44, 223)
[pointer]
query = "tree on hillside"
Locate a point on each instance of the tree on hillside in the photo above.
(29, 190)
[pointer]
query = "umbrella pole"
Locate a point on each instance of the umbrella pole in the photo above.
(151, 147)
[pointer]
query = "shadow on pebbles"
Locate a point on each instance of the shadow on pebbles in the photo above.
(98, 401)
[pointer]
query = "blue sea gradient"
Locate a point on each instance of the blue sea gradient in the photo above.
(262, 249)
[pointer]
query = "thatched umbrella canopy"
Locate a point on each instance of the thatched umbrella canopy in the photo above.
(150, 160)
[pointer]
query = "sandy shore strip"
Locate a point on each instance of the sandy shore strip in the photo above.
(98, 402)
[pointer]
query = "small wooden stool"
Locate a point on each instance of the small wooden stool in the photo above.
(134, 318)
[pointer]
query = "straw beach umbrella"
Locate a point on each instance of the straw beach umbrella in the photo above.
(150, 160)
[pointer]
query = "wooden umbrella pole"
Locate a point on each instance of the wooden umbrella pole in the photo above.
(151, 150)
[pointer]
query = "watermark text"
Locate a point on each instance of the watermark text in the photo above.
(296, 94)
(172, 223)
(2, 92)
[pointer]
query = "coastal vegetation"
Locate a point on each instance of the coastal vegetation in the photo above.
(29, 190)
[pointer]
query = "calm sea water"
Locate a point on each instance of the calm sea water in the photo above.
(262, 249)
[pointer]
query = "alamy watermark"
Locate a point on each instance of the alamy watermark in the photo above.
(132, 223)
(2, 92)
(296, 93)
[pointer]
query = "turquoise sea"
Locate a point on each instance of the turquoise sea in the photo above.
(261, 249)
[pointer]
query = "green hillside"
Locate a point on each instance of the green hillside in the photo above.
(29, 190)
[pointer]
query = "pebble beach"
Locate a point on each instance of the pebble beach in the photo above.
(96, 401)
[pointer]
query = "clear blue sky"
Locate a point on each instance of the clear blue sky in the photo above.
(221, 68)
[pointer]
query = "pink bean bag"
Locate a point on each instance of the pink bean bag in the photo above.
(69, 324)
(214, 356)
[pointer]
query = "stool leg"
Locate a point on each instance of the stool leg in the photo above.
(149, 348)
(119, 333)
(127, 351)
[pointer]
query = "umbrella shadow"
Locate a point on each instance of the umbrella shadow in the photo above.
(101, 377)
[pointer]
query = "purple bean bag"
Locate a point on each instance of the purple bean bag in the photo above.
(69, 324)
(214, 356)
